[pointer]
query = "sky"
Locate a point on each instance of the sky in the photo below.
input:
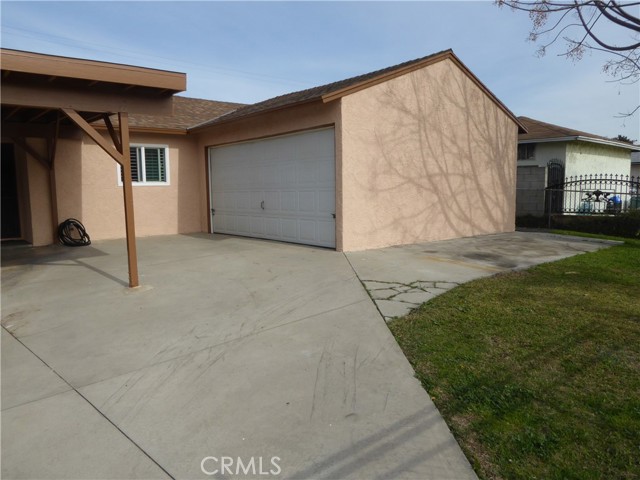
(250, 51)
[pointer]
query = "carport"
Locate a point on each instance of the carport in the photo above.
(51, 97)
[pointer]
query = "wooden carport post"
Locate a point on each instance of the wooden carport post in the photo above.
(120, 152)
(127, 187)
(47, 162)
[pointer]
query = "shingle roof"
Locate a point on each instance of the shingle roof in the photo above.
(187, 112)
(333, 90)
(310, 94)
(537, 130)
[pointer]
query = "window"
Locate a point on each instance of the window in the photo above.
(526, 151)
(149, 165)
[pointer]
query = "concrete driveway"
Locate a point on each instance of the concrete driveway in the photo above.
(252, 356)
(401, 278)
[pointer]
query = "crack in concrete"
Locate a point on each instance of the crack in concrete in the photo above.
(409, 295)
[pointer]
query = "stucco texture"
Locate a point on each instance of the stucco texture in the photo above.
(425, 156)
(87, 186)
(592, 159)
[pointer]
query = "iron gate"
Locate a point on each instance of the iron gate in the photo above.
(602, 194)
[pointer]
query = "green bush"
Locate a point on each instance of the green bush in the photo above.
(621, 225)
(532, 221)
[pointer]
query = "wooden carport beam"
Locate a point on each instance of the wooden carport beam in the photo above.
(32, 151)
(93, 133)
(121, 154)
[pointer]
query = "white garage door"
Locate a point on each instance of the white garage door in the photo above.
(281, 188)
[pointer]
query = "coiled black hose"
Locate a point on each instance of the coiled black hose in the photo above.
(73, 234)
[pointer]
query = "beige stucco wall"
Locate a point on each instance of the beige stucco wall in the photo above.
(426, 156)
(302, 117)
(87, 189)
(592, 159)
(159, 210)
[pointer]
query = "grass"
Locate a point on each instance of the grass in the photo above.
(537, 373)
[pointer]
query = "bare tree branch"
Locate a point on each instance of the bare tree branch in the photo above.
(588, 29)
(552, 20)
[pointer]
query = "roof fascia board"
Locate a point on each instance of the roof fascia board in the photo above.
(611, 143)
(329, 97)
(548, 140)
(447, 54)
(91, 70)
(154, 130)
(84, 100)
(578, 138)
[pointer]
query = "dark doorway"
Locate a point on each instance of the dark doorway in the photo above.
(555, 180)
(10, 208)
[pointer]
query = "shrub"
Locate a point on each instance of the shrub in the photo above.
(621, 225)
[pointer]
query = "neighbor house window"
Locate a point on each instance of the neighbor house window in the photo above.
(149, 165)
(526, 151)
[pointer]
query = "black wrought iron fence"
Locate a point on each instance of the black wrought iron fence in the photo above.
(594, 195)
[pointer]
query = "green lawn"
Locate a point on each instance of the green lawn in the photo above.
(537, 372)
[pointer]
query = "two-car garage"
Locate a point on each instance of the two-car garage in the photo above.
(418, 152)
(278, 188)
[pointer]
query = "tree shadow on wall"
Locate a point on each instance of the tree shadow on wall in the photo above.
(447, 167)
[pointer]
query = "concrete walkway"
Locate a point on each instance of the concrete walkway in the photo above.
(232, 347)
(400, 279)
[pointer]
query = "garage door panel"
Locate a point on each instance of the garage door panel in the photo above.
(292, 176)
(243, 225)
(256, 200)
(224, 222)
(243, 200)
(326, 202)
(257, 226)
(272, 227)
(326, 232)
(306, 174)
(307, 230)
(307, 202)
(289, 229)
(326, 174)
(289, 201)
(288, 176)
(272, 201)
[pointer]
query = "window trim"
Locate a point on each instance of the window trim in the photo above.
(142, 165)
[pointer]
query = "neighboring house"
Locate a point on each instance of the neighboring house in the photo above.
(548, 153)
(415, 152)
(635, 165)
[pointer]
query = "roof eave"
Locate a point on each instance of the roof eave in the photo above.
(329, 97)
(580, 138)
(154, 130)
(221, 120)
(54, 66)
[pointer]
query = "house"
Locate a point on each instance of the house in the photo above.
(635, 164)
(548, 153)
(415, 152)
